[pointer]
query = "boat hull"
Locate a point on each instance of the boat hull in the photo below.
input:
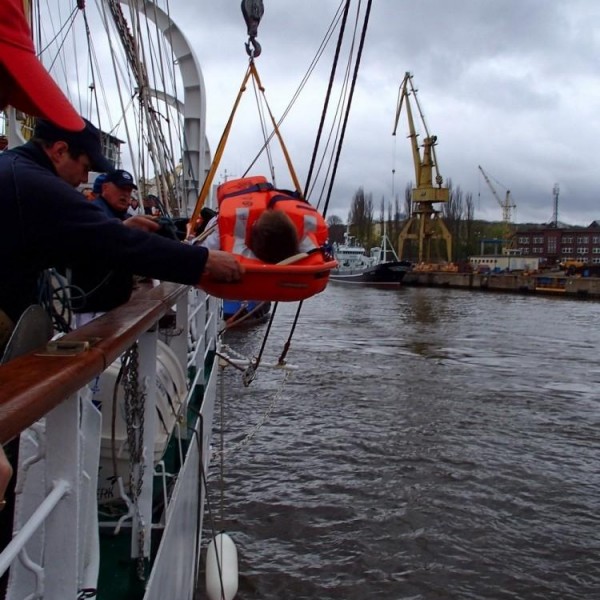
(251, 312)
(387, 274)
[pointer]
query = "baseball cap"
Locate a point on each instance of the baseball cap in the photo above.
(35, 91)
(121, 178)
(97, 187)
(87, 140)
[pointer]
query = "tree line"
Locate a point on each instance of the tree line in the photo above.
(366, 223)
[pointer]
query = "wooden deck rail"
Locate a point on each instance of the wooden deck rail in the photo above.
(32, 385)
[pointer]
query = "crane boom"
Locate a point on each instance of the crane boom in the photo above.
(425, 227)
(506, 205)
(424, 190)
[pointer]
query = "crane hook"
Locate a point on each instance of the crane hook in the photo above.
(252, 10)
(253, 48)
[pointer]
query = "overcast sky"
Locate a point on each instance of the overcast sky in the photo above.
(511, 85)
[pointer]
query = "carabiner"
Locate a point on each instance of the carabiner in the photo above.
(253, 48)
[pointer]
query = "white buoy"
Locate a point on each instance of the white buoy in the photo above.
(221, 583)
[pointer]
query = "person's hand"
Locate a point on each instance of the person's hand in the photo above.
(5, 475)
(143, 222)
(223, 266)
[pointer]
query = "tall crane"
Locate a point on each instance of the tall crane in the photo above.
(425, 223)
(506, 205)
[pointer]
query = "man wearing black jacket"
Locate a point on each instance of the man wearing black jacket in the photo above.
(46, 222)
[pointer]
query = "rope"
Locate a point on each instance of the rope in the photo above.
(328, 95)
(352, 87)
(235, 448)
(340, 143)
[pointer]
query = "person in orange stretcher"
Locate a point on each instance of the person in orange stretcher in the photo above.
(272, 232)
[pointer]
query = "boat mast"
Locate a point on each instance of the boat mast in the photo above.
(195, 159)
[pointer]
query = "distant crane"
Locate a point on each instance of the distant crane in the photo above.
(425, 224)
(506, 205)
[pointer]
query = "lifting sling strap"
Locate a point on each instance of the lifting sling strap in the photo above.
(251, 72)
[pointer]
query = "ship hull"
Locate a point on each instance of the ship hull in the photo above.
(387, 274)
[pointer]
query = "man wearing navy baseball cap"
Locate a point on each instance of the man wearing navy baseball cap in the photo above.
(115, 193)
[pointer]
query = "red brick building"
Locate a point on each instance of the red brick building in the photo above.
(558, 244)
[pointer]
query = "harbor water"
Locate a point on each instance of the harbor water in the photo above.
(431, 444)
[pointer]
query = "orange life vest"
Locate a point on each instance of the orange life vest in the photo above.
(241, 202)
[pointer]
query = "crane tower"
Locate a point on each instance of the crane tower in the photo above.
(425, 224)
(506, 205)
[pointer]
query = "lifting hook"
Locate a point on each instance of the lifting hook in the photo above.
(253, 48)
(253, 11)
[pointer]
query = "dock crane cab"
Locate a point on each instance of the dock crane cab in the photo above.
(425, 224)
(507, 207)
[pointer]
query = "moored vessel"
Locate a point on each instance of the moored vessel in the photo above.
(357, 267)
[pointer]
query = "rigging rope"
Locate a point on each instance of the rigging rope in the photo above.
(349, 102)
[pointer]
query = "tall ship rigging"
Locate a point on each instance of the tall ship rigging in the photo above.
(114, 420)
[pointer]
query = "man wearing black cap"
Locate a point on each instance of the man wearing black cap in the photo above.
(47, 222)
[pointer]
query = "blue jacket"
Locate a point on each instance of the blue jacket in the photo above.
(108, 210)
(45, 223)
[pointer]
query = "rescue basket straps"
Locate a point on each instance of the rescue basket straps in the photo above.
(251, 72)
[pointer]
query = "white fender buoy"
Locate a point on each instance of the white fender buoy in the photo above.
(221, 584)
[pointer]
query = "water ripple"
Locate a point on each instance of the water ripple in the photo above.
(433, 444)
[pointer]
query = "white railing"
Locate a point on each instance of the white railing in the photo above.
(54, 552)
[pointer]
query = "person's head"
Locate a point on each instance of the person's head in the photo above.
(24, 82)
(150, 204)
(117, 188)
(273, 237)
(73, 153)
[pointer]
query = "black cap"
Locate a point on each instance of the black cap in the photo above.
(87, 140)
(120, 178)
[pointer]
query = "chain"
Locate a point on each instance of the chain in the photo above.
(248, 437)
(135, 399)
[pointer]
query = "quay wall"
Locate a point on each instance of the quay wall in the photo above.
(555, 284)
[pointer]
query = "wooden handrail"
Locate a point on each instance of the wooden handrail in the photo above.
(33, 384)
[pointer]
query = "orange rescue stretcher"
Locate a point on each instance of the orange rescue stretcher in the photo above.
(294, 279)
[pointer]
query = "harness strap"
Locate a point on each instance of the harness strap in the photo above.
(217, 159)
(286, 195)
(258, 187)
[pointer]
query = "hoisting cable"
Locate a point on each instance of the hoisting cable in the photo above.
(339, 149)
(250, 372)
(276, 131)
(266, 138)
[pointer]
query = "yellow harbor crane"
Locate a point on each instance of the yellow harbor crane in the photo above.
(507, 206)
(425, 223)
